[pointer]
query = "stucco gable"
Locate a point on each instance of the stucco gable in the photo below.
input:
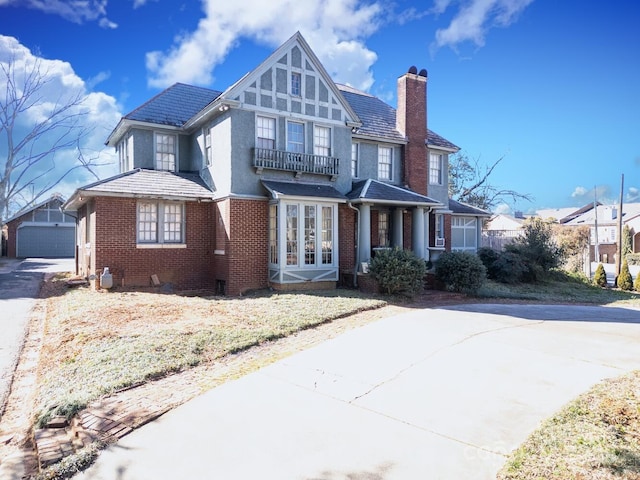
(268, 86)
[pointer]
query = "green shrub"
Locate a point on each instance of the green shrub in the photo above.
(460, 271)
(624, 279)
(537, 248)
(488, 256)
(510, 267)
(636, 284)
(633, 258)
(600, 276)
(398, 271)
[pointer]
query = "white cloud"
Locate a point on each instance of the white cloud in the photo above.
(474, 19)
(100, 114)
(335, 29)
(502, 208)
(633, 194)
(579, 192)
(76, 11)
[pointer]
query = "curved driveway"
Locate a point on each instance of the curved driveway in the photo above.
(19, 286)
(433, 394)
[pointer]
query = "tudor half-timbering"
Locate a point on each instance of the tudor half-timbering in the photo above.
(284, 179)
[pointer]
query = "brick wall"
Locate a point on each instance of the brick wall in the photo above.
(347, 238)
(247, 245)
(411, 120)
(115, 247)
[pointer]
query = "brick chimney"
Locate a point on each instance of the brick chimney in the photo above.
(411, 121)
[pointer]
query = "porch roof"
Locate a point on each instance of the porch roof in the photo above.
(459, 208)
(140, 183)
(291, 189)
(374, 191)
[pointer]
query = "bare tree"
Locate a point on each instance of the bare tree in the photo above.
(34, 133)
(469, 182)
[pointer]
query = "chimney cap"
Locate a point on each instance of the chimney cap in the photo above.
(413, 69)
(423, 72)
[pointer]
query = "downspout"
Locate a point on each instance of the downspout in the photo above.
(355, 268)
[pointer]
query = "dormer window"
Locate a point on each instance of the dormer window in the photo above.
(296, 84)
(165, 152)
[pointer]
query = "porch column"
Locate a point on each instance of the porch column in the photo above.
(398, 228)
(364, 239)
(417, 232)
(427, 251)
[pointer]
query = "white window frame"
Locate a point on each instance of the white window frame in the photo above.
(162, 230)
(296, 84)
(355, 156)
(297, 146)
(266, 126)
(439, 230)
(162, 163)
(469, 228)
(436, 162)
(124, 154)
(384, 229)
(304, 240)
(322, 140)
(208, 152)
(385, 163)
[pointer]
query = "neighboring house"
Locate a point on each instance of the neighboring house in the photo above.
(606, 217)
(42, 231)
(501, 229)
(285, 179)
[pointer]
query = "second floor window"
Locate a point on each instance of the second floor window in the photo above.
(322, 141)
(266, 132)
(165, 152)
(207, 147)
(385, 158)
(295, 137)
(435, 169)
(354, 159)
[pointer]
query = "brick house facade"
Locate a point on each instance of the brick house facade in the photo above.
(286, 179)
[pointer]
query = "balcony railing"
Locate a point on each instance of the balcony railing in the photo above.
(294, 162)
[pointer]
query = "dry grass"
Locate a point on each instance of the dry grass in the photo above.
(596, 436)
(99, 342)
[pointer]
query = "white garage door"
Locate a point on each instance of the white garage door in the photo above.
(46, 241)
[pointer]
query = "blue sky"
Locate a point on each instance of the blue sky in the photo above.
(550, 86)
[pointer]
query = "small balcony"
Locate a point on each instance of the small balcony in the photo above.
(294, 162)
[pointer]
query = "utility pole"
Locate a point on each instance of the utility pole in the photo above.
(596, 249)
(619, 235)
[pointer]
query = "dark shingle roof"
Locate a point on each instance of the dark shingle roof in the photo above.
(385, 193)
(302, 190)
(153, 183)
(465, 209)
(175, 105)
(379, 119)
(434, 139)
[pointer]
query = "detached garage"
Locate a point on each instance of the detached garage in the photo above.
(42, 231)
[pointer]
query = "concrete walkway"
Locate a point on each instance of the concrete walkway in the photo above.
(19, 286)
(436, 393)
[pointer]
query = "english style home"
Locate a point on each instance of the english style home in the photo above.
(286, 179)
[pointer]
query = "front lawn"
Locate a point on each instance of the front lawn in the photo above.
(98, 342)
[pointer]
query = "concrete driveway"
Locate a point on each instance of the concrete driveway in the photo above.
(432, 394)
(19, 286)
